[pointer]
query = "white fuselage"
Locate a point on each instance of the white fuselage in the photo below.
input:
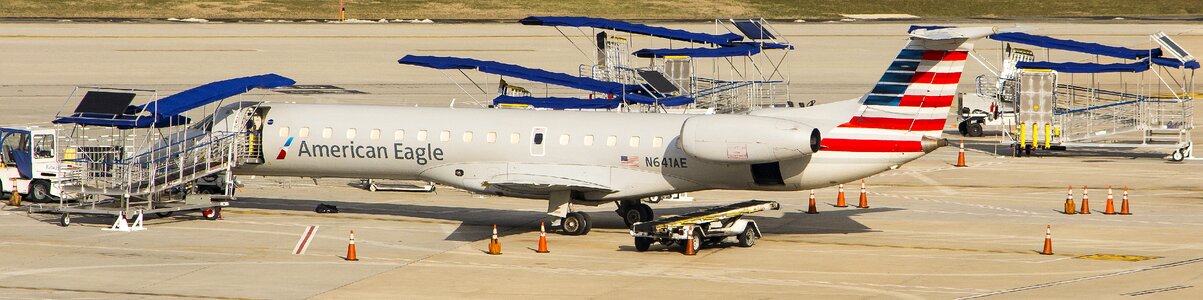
(634, 155)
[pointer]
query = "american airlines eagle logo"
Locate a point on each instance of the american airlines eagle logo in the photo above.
(284, 150)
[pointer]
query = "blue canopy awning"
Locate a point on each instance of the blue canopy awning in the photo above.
(213, 92)
(124, 121)
(1070, 67)
(1175, 63)
(669, 101)
(559, 102)
(736, 50)
(661, 32)
(492, 67)
(1076, 46)
(165, 112)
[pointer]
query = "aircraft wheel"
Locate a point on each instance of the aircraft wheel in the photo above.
(64, 220)
(372, 187)
(631, 215)
(211, 213)
(164, 214)
(642, 243)
(646, 214)
(576, 223)
(1177, 156)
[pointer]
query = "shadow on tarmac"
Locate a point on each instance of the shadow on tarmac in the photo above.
(476, 223)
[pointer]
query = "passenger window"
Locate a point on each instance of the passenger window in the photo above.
(374, 134)
(657, 142)
(284, 131)
(491, 137)
(303, 132)
(589, 140)
(564, 139)
(399, 135)
(634, 141)
(538, 139)
(351, 133)
(327, 132)
(421, 135)
(515, 138)
(611, 140)
(445, 136)
(467, 136)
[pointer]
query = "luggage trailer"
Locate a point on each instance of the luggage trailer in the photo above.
(710, 225)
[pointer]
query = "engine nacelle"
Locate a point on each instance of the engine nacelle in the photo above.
(747, 139)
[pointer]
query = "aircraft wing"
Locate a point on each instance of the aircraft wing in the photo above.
(536, 184)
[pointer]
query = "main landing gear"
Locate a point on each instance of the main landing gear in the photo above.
(633, 212)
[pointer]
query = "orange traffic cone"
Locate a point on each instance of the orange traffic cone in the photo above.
(542, 239)
(1085, 201)
(864, 196)
(494, 244)
(812, 210)
(1110, 203)
(961, 156)
(15, 198)
(1048, 241)
(689, 241)
(839, 199)
(1070, 208)
(1123, 207)
(351, 248)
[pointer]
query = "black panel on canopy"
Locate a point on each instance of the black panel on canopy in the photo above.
(109, 103)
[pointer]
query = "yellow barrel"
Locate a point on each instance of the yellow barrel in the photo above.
(1048, 136)
(1023, 138)
(1035, 135)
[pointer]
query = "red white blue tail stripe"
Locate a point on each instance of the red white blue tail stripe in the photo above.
(909, 102)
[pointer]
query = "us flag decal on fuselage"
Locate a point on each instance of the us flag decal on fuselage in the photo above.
(629, 160)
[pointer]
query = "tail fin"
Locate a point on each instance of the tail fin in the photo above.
(911, 100)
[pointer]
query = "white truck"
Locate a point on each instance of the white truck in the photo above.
(29, 164)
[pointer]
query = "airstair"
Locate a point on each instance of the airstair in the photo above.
(1043, 105)
(125, 160)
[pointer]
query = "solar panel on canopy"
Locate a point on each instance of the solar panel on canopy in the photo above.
(753, 29)
(109, 103)
(660, 83)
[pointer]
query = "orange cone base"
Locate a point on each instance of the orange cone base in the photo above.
(351, 253)
(1069, 207)
(1048, 247)
(961, 160)
(542, 245)
(494, 248)
(1085, 208)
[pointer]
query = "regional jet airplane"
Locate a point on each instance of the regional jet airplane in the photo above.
(571, 158)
